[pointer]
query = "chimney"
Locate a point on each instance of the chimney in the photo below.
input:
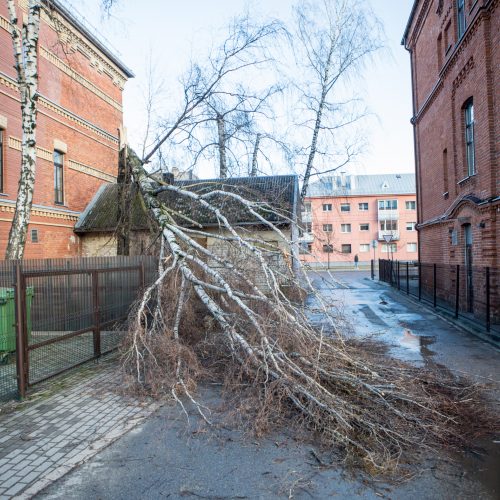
(167, 177)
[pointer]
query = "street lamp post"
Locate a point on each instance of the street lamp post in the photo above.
(388, 239)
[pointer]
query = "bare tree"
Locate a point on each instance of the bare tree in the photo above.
(333, 40)
(24, 42)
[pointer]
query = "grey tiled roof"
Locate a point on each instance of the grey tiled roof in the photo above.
(278, 191)
(358, 185)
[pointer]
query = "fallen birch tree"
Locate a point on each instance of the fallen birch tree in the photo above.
(206, 317)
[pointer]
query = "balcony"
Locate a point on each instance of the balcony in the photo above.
(307, 238)
(388, 214)
(394, 234)
(306, 216)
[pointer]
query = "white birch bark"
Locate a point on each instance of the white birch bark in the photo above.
(25, 43)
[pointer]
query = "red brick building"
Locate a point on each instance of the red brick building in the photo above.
(455, 61)
(79, 117)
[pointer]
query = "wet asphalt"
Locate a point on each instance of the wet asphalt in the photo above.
(169, 457)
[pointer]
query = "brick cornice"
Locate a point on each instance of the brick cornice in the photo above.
(40, 211)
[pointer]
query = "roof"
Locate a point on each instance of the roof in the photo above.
(278, 191)
(362, 185)
(77, 23)
(410, 20)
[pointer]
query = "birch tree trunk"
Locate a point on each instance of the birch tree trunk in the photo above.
(25, 42)
(221, 129)
(253, 172)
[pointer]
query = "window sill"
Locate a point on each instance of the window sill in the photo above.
(4, 194)
(465, 179)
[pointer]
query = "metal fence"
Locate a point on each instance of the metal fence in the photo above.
(471, 293)
(56, 314)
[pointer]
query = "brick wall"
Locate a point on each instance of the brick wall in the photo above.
(80, 109)
(445, 76)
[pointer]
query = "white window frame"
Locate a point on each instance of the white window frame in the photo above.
(347, 228)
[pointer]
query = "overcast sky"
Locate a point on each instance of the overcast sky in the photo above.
(172, 31)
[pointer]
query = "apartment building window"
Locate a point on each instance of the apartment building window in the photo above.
(388, 225)
(328, 248)
(307, 207)
(364, 247)
(411, 247)
(363, 207)
(364, 227)
(461, 17)
(58, 177)
(34, 235)
(1, 159)
(389, 248)
(345, 228)
(411, 205)
(345, 207)
(387, 204)
(305, 248)
(410, 226)
(308, 227)
(327, 207)
(469, 137)
(346, 248)
(327, 228)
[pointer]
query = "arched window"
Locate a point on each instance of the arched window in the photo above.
(469, 137)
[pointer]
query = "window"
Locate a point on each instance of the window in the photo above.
(410, 226)
(364, 227)
(364, 247)
(388, 225)
(308, 227)
(58, 178)
(363, 207)
(327, 228)
(391, 248)
(307, 207)
(454, 237)
(328, 248)
(345, 228)
(445, 171)
(461, 17)
(411, 205)
(411, 247)
(387, 204)
(34, 235)
(346, 248)
(469, 137)
(345, 207)
(327, 207)
(1, 159)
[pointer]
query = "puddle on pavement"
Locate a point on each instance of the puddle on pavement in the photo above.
(417, 343)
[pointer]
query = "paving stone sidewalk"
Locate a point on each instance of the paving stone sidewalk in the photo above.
(43, 440)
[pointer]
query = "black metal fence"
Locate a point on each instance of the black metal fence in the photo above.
(471, 293)
(56, 314)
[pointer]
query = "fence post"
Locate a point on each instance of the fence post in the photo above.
(407, 278)
(488, 305)
(398, 267)
(419, 280)
(434, 274)
(372, 263)
(141, 276)
(457, 291)
(97, 313)
(21, 333)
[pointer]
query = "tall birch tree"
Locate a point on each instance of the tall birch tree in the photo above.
(24, 42)
(333, 39)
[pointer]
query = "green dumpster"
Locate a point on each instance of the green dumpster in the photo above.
(8, 317)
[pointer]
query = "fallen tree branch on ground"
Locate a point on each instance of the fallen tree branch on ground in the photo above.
(231, 316)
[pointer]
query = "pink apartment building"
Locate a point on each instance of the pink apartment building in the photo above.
(371, 216)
